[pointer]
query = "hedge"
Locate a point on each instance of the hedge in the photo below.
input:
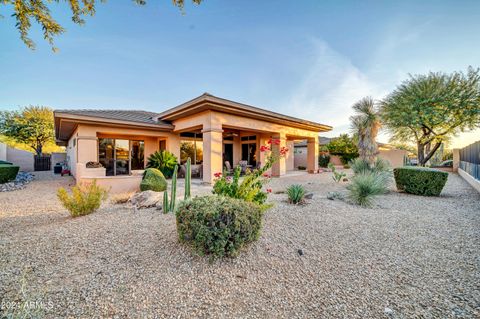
(420, 180)
(5, 162)
(217, 225)
(8, 172)
(153, 180)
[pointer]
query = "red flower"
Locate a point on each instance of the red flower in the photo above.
(217, 175)
(283, 150)
(276, 141)
(269, 141)
(269, 190)
(264, 148)
(266, 175)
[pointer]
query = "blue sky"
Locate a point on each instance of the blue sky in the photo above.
(311, 59)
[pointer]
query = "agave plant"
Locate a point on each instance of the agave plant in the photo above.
(163, 161)
(366, 123)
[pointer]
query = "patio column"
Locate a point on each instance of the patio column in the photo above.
(312, 154)
(279, 168)
(212, 152)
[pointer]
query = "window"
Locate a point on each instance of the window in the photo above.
(120, 156)
(192, 149)
(162, 145)
(138, 151)
(249, 138)
(249, 153)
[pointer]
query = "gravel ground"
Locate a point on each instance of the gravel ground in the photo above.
(407, 257)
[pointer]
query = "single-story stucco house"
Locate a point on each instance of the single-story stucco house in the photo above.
(209, 129)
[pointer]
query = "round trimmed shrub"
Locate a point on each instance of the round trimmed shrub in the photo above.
(8, 172)
(153, 180)
(420, 180)
(218, 226)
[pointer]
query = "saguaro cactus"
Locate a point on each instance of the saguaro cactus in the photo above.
(188, 179)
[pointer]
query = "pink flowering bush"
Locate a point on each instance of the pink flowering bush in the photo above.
(250, 189)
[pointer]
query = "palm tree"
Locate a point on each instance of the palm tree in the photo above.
(366, 124)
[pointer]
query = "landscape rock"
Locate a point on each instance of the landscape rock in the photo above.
(309, 196)
(146, 199)
(20, 182)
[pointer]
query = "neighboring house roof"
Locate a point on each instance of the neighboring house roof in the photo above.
(67, 120)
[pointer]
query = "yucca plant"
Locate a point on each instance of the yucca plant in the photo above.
(359, 165)
(296, 193)
(366, 185)
(366, 124)
(163, 161)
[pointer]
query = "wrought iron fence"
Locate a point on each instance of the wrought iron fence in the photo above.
(470, 159)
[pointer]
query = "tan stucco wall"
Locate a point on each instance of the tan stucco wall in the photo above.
(22, 158)
(3, 151)
(394, 157)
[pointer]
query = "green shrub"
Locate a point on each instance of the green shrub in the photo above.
(420, 180)
(153, 180)
(5, 162)
(217, 225)
(365, 185)
(164, 161)
(85, 198)
(296, 193)
(337, 176)
(323, 160)
(8, 172)
(359, 166)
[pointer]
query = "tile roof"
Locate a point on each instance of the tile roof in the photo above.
(122, 115)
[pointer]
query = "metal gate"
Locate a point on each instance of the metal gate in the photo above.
(42, 163)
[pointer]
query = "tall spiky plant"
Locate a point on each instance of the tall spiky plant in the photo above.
(188, 179)
(366, 124)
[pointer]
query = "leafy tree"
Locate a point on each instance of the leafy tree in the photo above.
(366, 123)
(430, 109)
(344, 146)
(38, 10)
(32, 125)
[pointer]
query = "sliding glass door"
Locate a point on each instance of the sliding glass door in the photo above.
(120, 156)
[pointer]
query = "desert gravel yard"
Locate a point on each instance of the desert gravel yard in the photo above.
(408, 257)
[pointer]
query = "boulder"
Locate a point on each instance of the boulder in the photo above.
(153, 180)
(146, 199)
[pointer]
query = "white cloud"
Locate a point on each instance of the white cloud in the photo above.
(329, 88)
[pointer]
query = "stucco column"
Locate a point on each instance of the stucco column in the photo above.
(212, 153)
(279, 168)
(173, 145)
(312, 155)
(456, 159)
(237, 151)
(290, 156)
